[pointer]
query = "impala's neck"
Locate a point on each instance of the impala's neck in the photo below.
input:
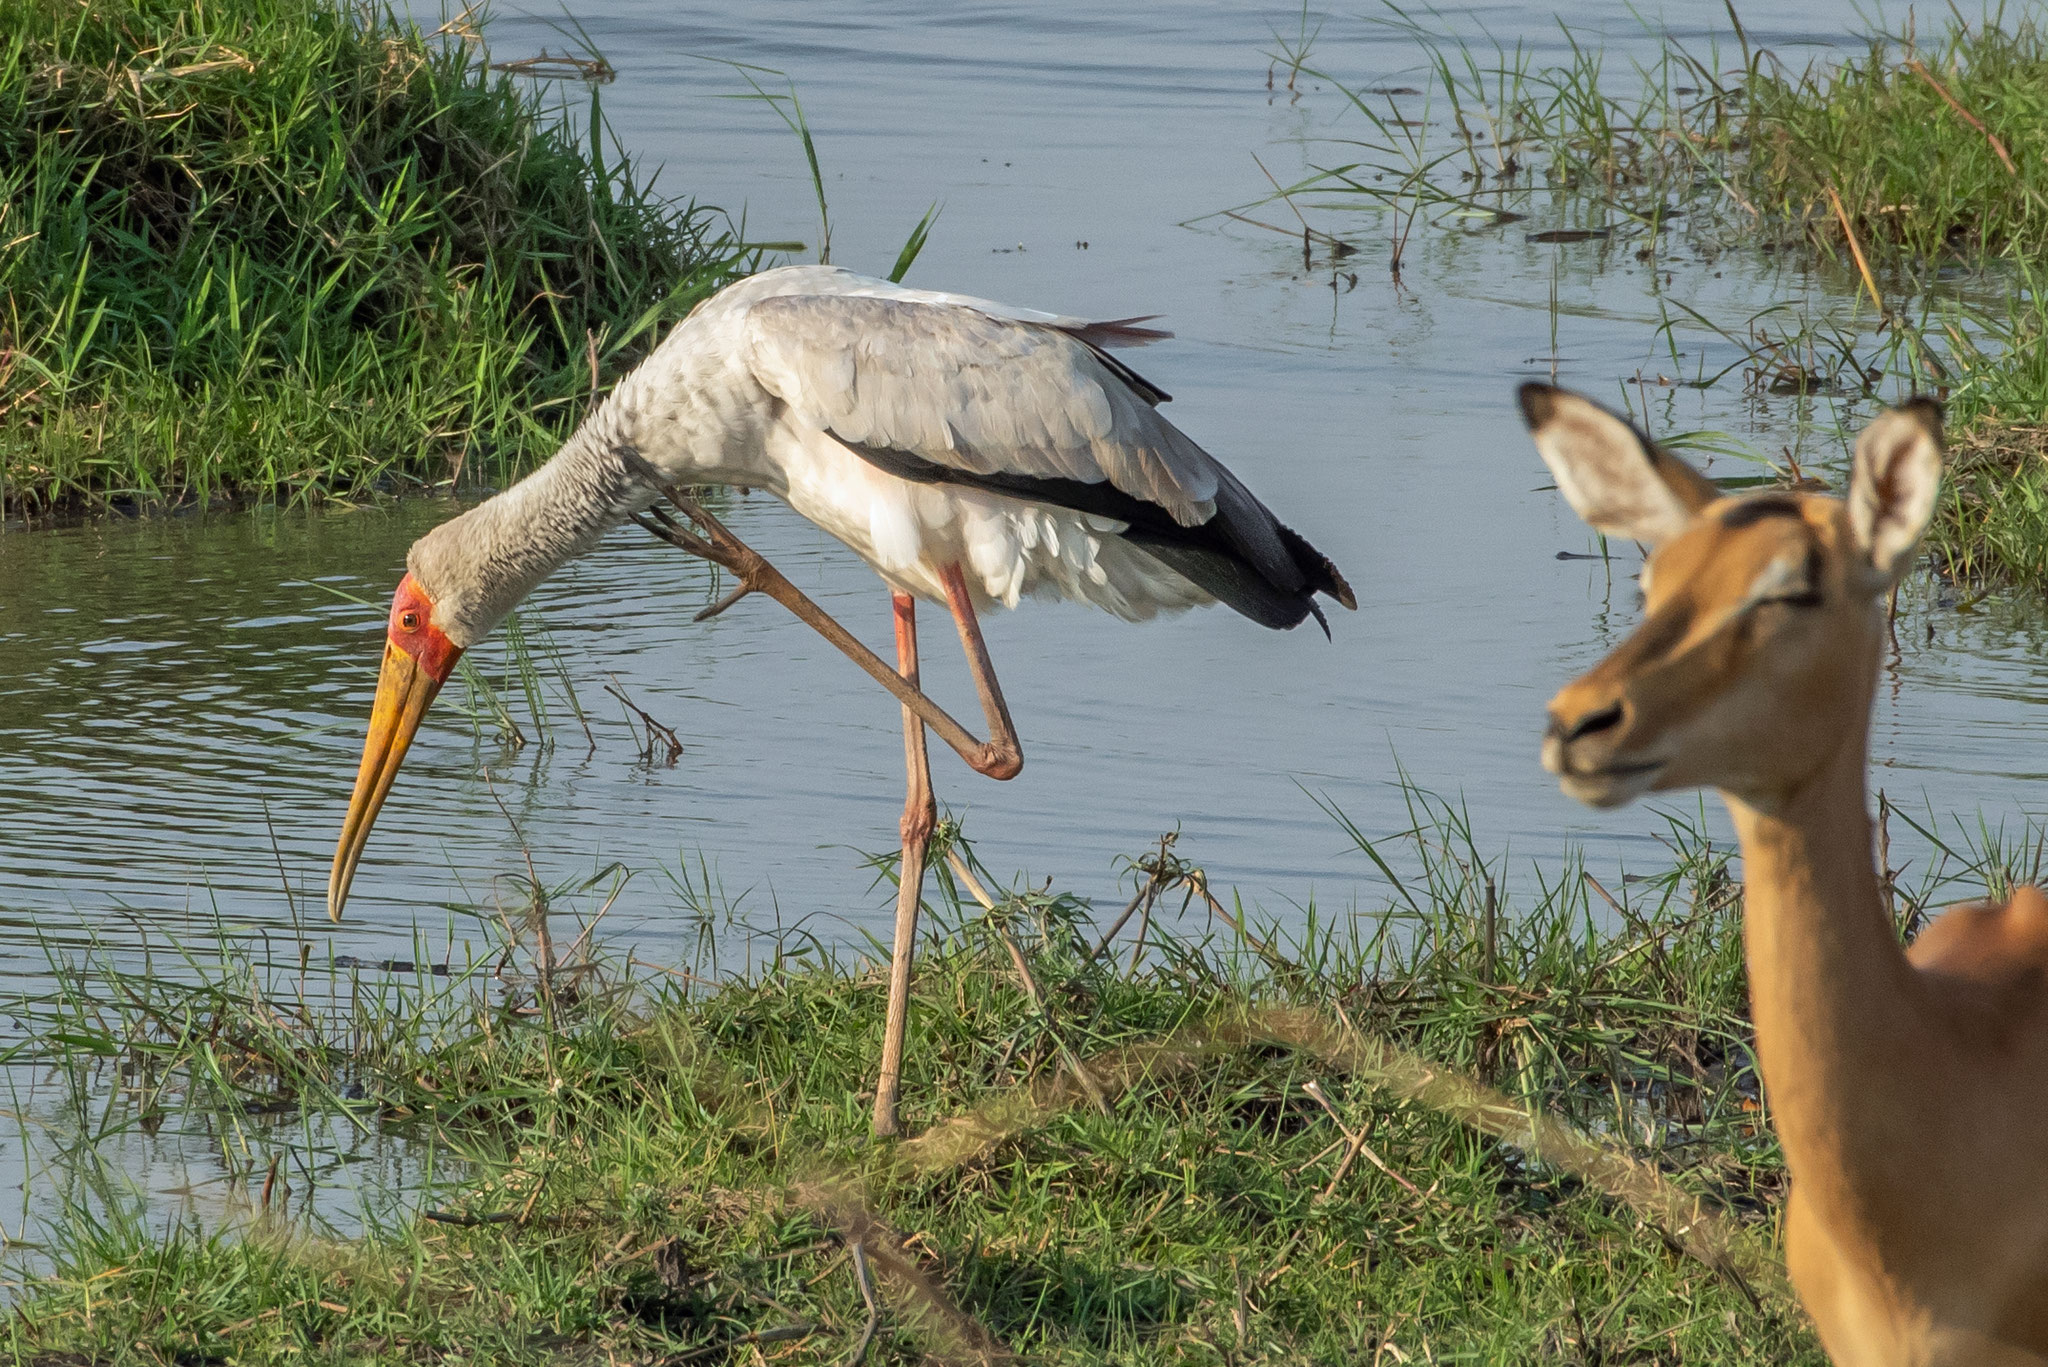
(1830, 990)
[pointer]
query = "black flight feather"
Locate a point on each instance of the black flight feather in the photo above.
(1243, 556)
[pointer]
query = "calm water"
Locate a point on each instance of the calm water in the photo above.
(182, 700)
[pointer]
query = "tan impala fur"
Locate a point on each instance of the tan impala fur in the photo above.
(1909, 1087)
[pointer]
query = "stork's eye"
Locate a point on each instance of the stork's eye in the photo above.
(409, 620)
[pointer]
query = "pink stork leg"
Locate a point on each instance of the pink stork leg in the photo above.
(1000, 756)
(920, 812)
(1004, 757)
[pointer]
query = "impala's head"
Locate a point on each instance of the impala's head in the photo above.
(1763, 614)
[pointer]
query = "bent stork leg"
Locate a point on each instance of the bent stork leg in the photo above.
(1000, 756)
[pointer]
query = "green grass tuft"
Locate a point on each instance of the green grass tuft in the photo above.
(292, 247)
(677, 1168)
(1928, 147)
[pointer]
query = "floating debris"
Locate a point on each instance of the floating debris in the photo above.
(549, 67)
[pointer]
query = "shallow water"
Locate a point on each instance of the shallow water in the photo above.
(332, 1175)
(182, 699)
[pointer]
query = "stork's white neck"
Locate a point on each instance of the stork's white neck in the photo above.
(684, 415)
(477, 567)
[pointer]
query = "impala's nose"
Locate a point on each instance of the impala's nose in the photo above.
(1565, 731)
(1581, 722)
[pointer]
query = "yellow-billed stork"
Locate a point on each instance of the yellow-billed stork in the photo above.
(971, 452)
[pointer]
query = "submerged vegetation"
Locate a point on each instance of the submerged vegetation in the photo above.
(292, 247)
(1904, 172)
(1463, 1127)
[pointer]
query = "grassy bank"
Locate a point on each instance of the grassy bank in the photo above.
(1466, 1126)
(1906, 165)
(291, 247)
(1901, 173)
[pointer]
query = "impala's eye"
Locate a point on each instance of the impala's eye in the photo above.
(409, 620)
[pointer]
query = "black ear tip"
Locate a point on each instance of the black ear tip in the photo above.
(1539, 402)
(1926, 411)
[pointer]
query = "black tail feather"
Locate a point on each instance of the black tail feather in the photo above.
(1230, 581)
(1322, 576)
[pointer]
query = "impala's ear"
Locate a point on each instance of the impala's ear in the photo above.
(1610, 474)
(1891, 492)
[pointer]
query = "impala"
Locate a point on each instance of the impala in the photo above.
(1909, 1087)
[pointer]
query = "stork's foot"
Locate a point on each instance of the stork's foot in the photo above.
(712, 540)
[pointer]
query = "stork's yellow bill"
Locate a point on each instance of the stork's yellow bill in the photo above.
(418, 658)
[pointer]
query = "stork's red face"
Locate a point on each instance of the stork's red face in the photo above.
(418, 658)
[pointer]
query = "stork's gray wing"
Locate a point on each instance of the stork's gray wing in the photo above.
(986, 396)
(943, 393)
(839, 282)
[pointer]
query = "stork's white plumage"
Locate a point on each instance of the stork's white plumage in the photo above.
(971, 452)
(1029, 452)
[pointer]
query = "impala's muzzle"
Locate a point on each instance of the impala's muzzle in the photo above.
(1590, 747)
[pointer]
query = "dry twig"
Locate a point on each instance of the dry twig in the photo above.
(867, 1293)
(1856, 250)
(565, 67)
(1919, 68)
